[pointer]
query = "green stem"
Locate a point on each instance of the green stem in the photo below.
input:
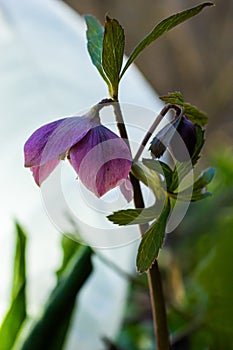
(158, 307)
(155, 288)
(153, 275)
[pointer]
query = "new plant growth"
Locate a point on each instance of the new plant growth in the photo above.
(103, 159)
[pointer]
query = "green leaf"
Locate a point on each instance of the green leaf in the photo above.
(194, 114)
(163, 27)
(95, 43)
(204, 179)
(12, 322)
(160, 167)
(133, 216)
(17, 312)
(19, 277)
(152, 241)
(191, 112)
(69, 247)
(173, 98)
(113, 51)
(50, 330)
(196, 196)
(199, 187)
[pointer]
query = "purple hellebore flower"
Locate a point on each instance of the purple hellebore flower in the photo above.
(101, 159)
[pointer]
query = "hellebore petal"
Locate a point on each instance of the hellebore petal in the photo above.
(187, 132)
(34, 146)
(101, 159)
(40, 173)
(54, 139)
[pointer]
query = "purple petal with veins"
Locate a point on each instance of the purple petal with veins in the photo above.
(52, 140)
(101, 159)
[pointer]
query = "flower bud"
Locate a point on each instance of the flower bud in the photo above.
(186, 130)
(160, 143)
(179, 135)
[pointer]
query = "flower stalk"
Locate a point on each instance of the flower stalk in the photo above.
(165, 110)
(153, 275)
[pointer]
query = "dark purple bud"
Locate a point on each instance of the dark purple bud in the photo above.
(160, 143)
(157, 148)
(183, 144)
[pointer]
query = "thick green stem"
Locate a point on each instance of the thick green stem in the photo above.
(153, 275)
(158, 307)
(155, 285)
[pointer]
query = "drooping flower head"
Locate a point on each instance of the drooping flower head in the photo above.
(179, 135)
(101, 159)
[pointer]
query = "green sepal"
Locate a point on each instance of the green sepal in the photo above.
(152, 240)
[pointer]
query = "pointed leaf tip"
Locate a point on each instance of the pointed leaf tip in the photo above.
(161, 28)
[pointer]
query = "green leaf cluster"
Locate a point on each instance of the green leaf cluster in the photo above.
(197, 275)
(106, 46)
(174, 177)
(51, 329)
(106, 49)
(149, 172)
